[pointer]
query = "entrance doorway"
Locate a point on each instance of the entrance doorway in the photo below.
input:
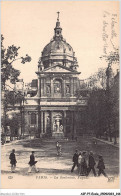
(57, 124)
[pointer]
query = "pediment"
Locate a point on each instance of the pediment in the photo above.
(58, 68)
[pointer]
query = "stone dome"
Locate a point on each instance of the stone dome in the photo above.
(58, 51)
(58, 47)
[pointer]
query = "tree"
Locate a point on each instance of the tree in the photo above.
(8, 57)
(112, 58)
(97, 80)
(8, 72)
(97, 115)
(95, 89)
(14, 123)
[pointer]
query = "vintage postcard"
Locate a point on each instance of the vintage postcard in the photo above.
(60, 95)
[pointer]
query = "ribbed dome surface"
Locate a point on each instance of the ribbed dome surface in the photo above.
(59, 47)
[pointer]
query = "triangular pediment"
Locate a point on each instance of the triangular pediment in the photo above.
(58, 68)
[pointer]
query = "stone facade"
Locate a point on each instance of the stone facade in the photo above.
(55, 108)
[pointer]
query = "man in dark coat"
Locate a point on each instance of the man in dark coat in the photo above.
(32, 163)
(75, 160)
(101, 167)
(91, 164)
(13, 161)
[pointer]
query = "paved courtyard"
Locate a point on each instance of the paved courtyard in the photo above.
(50, 165)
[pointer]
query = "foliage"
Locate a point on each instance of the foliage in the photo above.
(97, 80)
(113, 56)
(8, 56)
(97, 112)
(14, 124)
(13, 98)
(103, 104)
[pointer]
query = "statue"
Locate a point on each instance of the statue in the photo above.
(67, 89)
(48, 89)
(61, 128)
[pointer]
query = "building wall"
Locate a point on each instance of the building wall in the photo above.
(68, 86)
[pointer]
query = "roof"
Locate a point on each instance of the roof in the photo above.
(58, 47)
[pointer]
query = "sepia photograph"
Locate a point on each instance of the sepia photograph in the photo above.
(60, 95)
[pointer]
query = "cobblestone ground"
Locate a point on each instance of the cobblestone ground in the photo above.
(52, 166)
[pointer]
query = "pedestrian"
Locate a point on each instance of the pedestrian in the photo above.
(101, 167)
(32, 163)
(58, 147)
(83, 165)
(13, 161)
(79, 163)
(91, 164)
(75, 160)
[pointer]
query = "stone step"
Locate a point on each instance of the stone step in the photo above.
(58, 135)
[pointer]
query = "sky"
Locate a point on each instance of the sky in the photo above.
(30, 25)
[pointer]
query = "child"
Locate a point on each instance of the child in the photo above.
(32, 163)
(101, 167)
(13, 161)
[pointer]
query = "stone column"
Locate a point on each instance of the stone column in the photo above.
(72, 90)
(42, 87)
(41, 122)
(52, 90)
(44, 81)
(64, 121)
(64, 86)
(51, 116)
(45, 121)
(72, 125)
(74, 121)
(39, 87)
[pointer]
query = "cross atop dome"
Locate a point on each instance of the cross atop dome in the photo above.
(58, 16)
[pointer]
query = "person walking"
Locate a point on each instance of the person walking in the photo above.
(13, 161)
(83, 165)
(58, 147)
(91, 164)
(75, 160)
(32, 163)
(79, 163)
(101, 167)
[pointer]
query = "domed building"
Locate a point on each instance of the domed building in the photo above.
(55, 108)
(58, 51)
